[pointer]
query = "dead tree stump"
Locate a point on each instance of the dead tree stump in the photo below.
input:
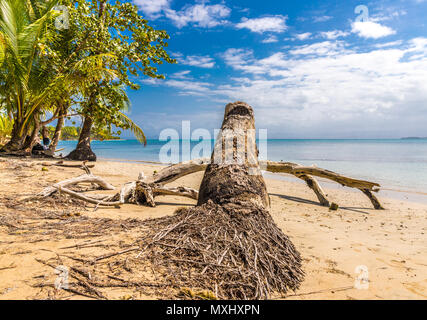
(233, 175)
(228, 244)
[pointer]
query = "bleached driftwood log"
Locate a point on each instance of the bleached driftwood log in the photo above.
(367, 187)
(65, 165)
(141, 192)
(305, 173)
(137, 191)
(144, 190)
(86, 178)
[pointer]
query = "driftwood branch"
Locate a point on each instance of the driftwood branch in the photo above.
(305, 173)
(88, 199)
(176, 171)
(86, 178)
(315, 186)
(296, 169)
(65, 165)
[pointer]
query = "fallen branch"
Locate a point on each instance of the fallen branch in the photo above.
(88, 199)
(305, 173)
(86, 178)
(65, 165)
(296, 169)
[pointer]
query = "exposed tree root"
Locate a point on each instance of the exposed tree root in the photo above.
(233, 251)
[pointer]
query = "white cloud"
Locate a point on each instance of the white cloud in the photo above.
(200, 15)
(183, 75)
(270, 39)
(337, 85)
(334, 34)
(190, 87)
(369, 29)
(389, 44)
(303, 36)
(196, 61)
(271, 24)
(322, 19)
(152, 8)
(326, 83)
(325, 48)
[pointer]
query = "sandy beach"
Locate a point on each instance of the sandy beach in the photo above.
(391, 243)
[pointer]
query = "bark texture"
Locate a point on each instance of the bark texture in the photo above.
(229, 178)
(83, 150)
(17, 140)
(58, 130)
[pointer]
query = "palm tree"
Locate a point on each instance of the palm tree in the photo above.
(22, 25)
(31, 76)
(114, 98)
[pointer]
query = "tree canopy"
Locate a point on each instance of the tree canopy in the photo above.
(85, 67)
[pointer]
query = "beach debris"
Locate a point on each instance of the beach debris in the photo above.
(140, 192)
(306, 173)
(333, 206)
(66, 165)
(144, 190)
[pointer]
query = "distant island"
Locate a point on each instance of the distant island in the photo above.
(71, 133)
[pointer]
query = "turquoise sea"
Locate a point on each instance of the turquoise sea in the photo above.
(399, 164)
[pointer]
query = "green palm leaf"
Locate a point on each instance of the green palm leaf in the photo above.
(136, 130)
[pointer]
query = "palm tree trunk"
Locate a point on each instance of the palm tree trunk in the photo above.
(83, 150)
(58, 131)
(17, 139)
(29, 143)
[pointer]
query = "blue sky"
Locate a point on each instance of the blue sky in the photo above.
(310, 69)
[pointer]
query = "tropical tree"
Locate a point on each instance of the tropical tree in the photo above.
(84, 69)
(35, 69)
(28, 79)
(117, 30)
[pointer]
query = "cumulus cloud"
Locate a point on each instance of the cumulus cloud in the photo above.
(334, 83)
(303, 36)
(270, 39)
(152, 8)
(199, 15)
(334, 34)
(265, 24)
(370, 29)
(195, 60)
(326, 82)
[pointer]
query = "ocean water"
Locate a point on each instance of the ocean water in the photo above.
(395, 163)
